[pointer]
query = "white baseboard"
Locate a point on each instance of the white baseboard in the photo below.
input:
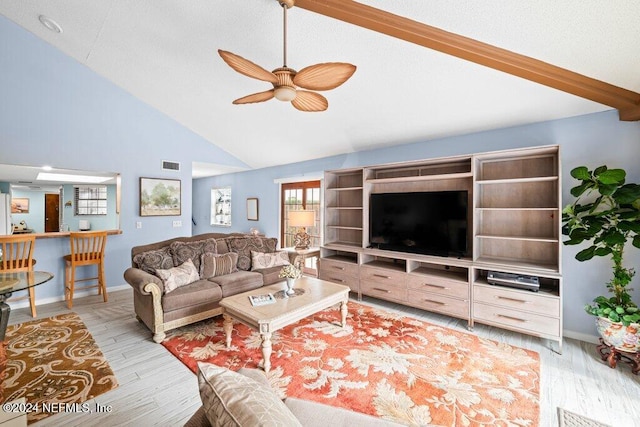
(580, 336)
(40, 301)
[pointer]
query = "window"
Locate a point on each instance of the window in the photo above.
(90, 200)
(295, 196)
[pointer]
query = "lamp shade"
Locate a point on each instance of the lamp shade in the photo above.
(302, 218)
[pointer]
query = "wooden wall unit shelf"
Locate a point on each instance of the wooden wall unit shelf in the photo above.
(514, 226)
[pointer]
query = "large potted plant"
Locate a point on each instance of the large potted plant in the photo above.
(606, 214)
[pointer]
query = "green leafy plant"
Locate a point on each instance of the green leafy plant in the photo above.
(606, 213)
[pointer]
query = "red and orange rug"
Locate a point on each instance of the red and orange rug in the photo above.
(383, 364)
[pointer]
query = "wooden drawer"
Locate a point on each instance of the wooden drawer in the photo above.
(518, 300)
(339, 267)
(383, 275)
(517, 320)
(343, 279)
(438, 303)
(438, 285)
(383, 291)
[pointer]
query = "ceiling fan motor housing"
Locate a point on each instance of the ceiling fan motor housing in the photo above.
(285, 90)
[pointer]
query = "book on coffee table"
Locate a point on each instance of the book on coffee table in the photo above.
(263, 299)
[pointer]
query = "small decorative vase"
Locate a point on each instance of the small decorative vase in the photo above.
(615, 334)
(290, 283)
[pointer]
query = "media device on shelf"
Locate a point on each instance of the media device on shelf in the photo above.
(511, 280)
(430, 223)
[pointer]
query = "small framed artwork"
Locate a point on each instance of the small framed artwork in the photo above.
(221, 206)
(252, 209)
(160, 197)
(19, 205)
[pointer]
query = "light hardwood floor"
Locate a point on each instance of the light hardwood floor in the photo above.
(156, 389)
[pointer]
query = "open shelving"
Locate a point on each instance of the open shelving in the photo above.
(513, 226)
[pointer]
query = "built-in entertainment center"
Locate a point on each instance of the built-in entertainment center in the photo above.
(465, 236)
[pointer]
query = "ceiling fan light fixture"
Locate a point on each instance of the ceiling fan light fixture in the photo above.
(284, 93)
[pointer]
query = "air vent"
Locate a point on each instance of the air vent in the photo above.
(170, 166)
(25, 182)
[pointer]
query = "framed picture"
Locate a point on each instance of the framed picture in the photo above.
(19, 205)
(160, 197)
(221, 206)
(252, 209)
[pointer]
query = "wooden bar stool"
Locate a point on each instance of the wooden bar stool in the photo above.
(87, 248)
(17, 256)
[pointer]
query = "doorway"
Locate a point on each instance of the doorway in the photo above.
(51, 213)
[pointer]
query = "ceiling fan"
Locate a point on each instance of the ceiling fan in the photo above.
(286, 80)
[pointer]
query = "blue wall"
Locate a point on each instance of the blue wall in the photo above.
(591, 140)
(56, 111)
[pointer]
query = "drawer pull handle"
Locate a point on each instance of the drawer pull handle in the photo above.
(514, 300)
(382, 276)
(436, 286)
(435, 302)
(382, 290)
(335, 279)
(338, 268)
(512, 318)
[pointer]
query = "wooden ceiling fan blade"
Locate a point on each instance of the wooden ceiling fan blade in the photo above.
(246, 67)
(310, 101)
(255, 97)
(324, 76)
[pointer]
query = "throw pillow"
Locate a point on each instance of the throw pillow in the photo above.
(182, 251)
(266, 260)
(244, 245)
(231, 399)
(175, 277)
(150, 261)
(213, 265)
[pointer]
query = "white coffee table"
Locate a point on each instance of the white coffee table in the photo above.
(316, 295)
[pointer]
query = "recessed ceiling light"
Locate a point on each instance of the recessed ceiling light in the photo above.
(60, 177)
(46, 168)
(50, 24)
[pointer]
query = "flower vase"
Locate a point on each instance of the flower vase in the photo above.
(290, 283)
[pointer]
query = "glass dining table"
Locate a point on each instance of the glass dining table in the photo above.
(14, 282)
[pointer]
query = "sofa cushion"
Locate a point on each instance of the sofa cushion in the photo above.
(152, 260)
(182, 251)
(175, 277)
(194, 293)
(270, 275)
(212, 265)
(231, 399)
(240, 281)
(314, 414)
(222, 247)
(244, 245)
(269, 259)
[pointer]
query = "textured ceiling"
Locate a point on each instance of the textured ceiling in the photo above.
(165, 53)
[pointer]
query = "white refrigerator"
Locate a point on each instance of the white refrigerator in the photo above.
(5, 214)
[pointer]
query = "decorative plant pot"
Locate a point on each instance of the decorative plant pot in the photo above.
(615, 334)
(290, 283)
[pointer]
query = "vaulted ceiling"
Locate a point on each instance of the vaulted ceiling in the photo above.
(165, 54)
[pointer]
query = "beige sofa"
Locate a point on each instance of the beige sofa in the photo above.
(245, 398)
(161, 311)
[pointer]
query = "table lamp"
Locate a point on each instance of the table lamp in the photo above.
(302, 219)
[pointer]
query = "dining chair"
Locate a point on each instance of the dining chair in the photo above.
(17, 257)
(87, 248)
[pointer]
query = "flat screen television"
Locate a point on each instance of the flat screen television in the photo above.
(430, 223)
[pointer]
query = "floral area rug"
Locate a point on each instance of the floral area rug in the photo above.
(54, 363)
(383, 364)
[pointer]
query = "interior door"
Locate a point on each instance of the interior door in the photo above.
(51, 212)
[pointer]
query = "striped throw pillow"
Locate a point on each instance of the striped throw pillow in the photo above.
(213, 265)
